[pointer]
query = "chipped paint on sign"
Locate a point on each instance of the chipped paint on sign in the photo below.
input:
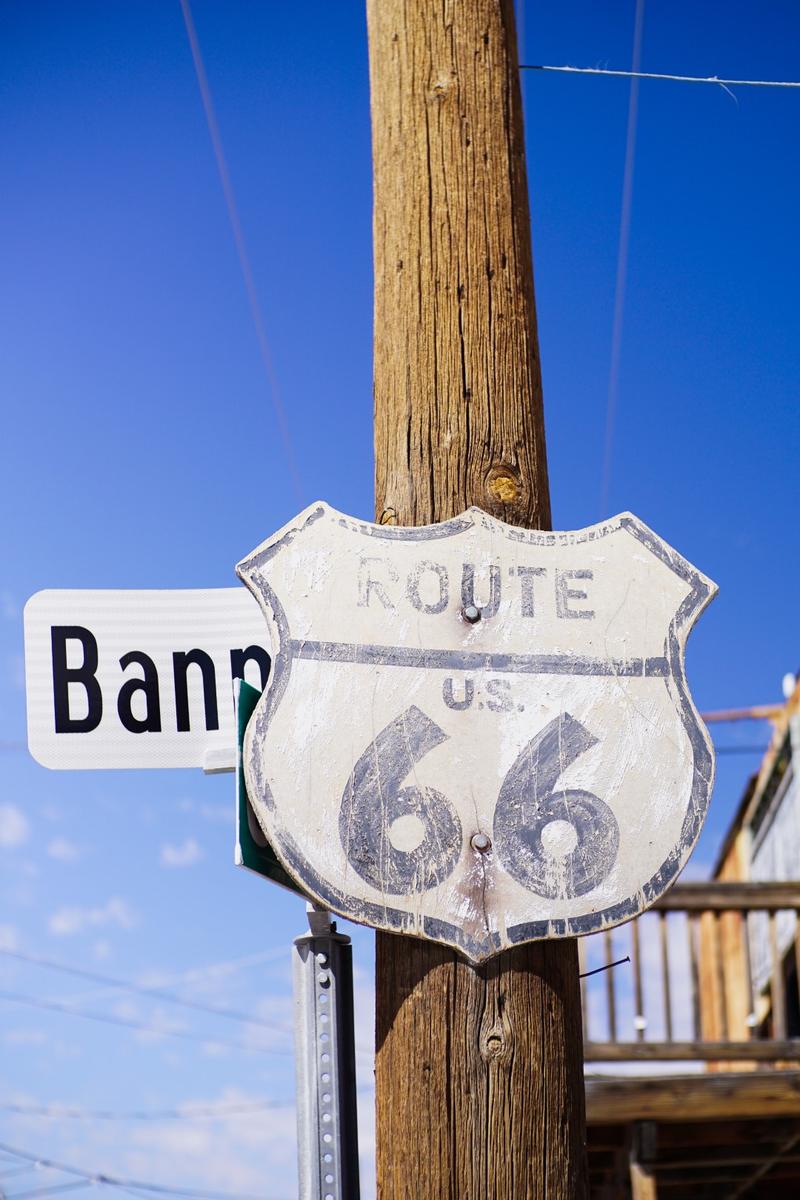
(538, 770)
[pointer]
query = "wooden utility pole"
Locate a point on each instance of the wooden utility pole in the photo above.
(479, 1070)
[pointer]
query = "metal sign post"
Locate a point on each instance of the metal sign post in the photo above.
(322, 970)
(327, 1131)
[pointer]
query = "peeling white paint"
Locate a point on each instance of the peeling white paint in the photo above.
(558, 724)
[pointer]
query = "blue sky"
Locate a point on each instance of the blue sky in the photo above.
(141, 450)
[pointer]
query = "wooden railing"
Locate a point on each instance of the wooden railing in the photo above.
(690, 991)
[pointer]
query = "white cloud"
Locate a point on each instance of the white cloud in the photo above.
(218, 812)
(227, 1152)
(18, 671)
(67, 921)
(25, 1037)
(63, 850)
(14, 828)
(184, 855)
(8, 937)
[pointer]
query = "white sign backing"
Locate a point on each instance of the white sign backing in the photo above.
(139, 678)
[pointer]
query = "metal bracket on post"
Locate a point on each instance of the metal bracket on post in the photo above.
(326, 1062)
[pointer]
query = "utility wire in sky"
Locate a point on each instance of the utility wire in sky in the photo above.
(241, 249)
(215, 970)
(141, 1026)
(622, 261)
(197, 1112)
(141, 989)
(14, 1171)
(53, 1188)
(715, 79)
(115, 1181)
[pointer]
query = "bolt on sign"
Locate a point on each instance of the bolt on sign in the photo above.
(476, 733)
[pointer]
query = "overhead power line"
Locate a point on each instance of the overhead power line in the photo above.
(716, 79)
(220, 969)
(622, 260)
(142, 989)
(241, 247)
(193, 1113)
(14, 1171)
(141, 1026)
(49, 1191)
(116, 1181)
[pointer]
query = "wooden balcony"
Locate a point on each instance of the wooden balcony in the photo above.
(693, 1047)
(710, 986)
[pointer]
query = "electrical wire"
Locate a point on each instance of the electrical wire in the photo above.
(14, 1171)
(606, 967)
(49, 1191)
(141, 989)
(635, 74)
(622, 260)
(115, 1181)
(141, 1026)
(195, 1113)
(241, 247)
(154, 993)
(214, 970)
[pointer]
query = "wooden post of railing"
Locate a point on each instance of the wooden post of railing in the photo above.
(748, 973)
(610, 990)
(582, 968)
(643, 1182)
(666, 985)
(776, 986)
(638, 997)
(642, 1176)
(693, 927)
(719, 962)
(720, 983)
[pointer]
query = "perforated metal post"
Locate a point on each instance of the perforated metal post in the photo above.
(326, 1063)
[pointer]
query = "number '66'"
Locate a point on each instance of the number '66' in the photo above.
(408, 839)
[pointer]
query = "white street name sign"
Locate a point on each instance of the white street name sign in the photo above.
(139, 678)
(477, 733)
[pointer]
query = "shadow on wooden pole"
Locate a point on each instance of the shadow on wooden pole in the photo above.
(479, 1070)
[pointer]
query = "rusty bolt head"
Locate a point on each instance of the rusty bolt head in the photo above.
(480, 842)
(471, 613)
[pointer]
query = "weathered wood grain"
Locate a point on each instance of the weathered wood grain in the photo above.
(479, 1088)
(769, 1050)
(724, 896)
(478, 1069)
(693, 1097)
(458, 399)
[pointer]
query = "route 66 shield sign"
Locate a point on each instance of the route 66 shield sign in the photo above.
(477, 733)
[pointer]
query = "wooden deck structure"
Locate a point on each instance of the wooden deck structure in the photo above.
(699, 1095)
